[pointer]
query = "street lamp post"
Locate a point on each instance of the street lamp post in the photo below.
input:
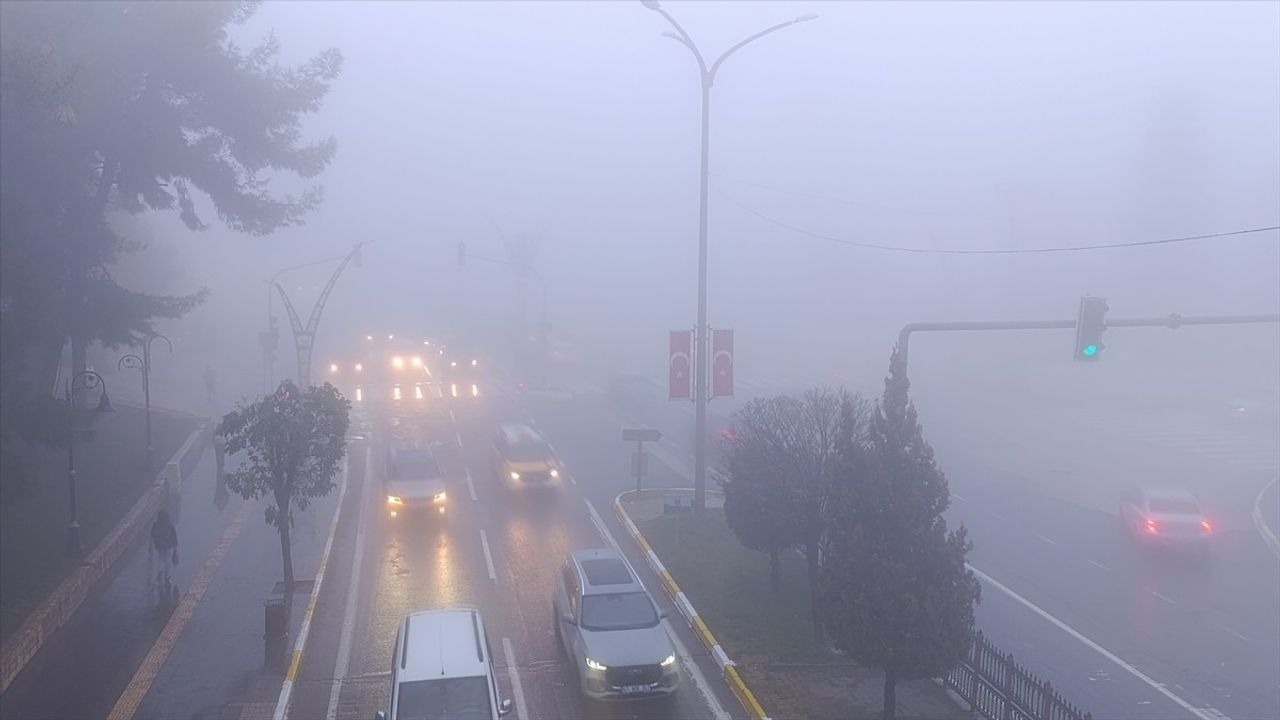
(143, 364)
(83, 380)
(700, 394)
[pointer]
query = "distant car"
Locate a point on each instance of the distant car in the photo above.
(462, 373)
(611, 630)
(442, 669)
(521, 457)
(414, 482)
(1168, 518)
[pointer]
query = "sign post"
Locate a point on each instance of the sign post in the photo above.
(639, 460)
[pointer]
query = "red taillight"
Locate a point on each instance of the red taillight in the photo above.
(1206, 526)
(1150, 525)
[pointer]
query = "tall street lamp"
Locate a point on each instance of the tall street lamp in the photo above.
(83, 380)
(700, 394)
(143, 364)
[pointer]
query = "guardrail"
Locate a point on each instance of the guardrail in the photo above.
(997, 688)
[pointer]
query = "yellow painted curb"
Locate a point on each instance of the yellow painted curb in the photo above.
(743, 693)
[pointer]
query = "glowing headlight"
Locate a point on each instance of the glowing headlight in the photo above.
(440, 497)
(515, 475)
(473, 363)
(417, 361)
(592, 664)
(395, 500)
(333, 367)
(397, 362)
(555, 473)
(359, 367)
(453, 363)
(669, 661)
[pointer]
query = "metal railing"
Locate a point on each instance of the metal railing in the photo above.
(997, 688)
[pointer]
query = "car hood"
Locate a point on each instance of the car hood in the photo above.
(618, 648)
(424, 488)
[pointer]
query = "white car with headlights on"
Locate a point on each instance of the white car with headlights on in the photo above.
(414, 483)
(522, 458)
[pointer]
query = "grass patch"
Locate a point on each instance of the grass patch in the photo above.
(770, 634)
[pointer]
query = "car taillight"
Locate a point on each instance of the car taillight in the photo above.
(1204, 524)
(1150, 525)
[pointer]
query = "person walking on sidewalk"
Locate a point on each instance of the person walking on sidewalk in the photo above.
(164, 540)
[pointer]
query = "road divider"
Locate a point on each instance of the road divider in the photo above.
(728, 667)
(1260, 523)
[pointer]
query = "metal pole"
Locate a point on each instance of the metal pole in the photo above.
(73, 528)
(146, 401)
(700, 373)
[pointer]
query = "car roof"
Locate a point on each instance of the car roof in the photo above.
(445, 643)
(1168, 494)
(605, 571)
(519, 433)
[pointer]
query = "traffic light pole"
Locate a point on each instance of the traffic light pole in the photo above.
(1173, 321)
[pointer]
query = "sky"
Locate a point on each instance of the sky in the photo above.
(917, 125)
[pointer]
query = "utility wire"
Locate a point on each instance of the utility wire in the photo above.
(973, 251)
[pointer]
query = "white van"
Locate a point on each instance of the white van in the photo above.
(442, 669)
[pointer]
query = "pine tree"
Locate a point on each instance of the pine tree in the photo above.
(894, 591)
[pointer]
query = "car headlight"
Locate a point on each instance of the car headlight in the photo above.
(395, 500)
(515, 475)
(555, 473)
(593, 665)
(440, 497)
(669, 661)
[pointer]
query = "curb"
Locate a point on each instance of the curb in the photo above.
(52, 613)
(1268, 536)
(728, 667)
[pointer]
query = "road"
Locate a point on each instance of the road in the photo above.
(496, 550)
(1119, 630)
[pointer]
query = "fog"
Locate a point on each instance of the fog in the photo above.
(918, 125)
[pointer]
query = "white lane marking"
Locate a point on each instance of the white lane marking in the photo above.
(999, 516)
(1051, 542)
(1165, 598)
(1099, 565)
(957, 496)
(488, 558)
(1233, 632)
(459, 436)
(571, 480)
(452, 419)
(471, 487)
(675, 446)
(514, 674)
(686, 660)
(341, 663)
(1268, 537)
(1202, 714)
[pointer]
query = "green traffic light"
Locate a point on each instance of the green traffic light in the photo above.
(1090, 350)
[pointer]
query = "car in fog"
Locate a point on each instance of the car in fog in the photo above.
(442, 669)
(611, 630)
(1165, 517)
(414, 482)
(522, 457)
(462, 374)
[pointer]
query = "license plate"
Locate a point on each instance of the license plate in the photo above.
(629, 689)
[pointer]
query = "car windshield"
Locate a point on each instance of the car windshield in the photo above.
(525, 452)
(1175, 506)
(447, 699)
(415, 468)
(618, 611)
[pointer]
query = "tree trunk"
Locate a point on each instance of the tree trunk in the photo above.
(811, 556)
(286, 551)
(774, 576)
(79, 363)
(890, 694)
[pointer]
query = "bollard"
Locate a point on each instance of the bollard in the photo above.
(275, 616)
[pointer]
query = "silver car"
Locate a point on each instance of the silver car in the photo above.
(611, 630)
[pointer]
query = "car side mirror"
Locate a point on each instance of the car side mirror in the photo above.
(662, 614)
(566, 617)
(379, 715)
(504, 707)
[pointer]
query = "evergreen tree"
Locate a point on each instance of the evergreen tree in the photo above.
(894, 590)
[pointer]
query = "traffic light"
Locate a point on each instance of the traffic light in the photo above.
(1090, 324)
(462, 254)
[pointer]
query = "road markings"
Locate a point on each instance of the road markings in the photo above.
(488, 558)
(340, 664)
(1268, 537)
(459, 436)
(514, 674)
(471, 487)
(286, 689)
(1099, 565)
(1201, 713)
(1051, 542)
(1165, 598)
(957, 496)
(572, 481)
(452, 419)
(131, 699)
(686, 660)
(1233, 632)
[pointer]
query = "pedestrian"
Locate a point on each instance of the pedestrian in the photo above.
(210, 378)
(164, 540)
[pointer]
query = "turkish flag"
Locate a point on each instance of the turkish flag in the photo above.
(722, 363)
(679, 364)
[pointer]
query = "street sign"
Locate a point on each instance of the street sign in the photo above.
(641, 434)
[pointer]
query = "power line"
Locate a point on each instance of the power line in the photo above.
(972, 251)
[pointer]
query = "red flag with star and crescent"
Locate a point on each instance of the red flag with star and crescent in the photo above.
(722, 363)
(679, 363)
